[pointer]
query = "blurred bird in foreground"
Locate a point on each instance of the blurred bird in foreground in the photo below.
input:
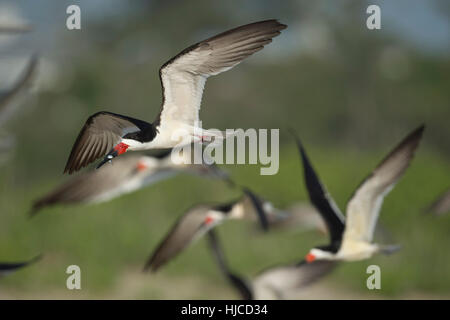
(9, 267)
(126, 175)
(279, 282)
(441, 205)
(197, 221)
(351, 238)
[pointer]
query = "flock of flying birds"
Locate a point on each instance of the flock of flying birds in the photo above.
(108, 135)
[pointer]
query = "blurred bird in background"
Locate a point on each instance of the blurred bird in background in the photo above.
(126, 175)
(199, 220)
(351, 237)
(278, 282)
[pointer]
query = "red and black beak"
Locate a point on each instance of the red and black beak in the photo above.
(116, 151)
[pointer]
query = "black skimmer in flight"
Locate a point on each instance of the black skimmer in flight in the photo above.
(128, 174)
(197, 221)
(9, 267)
(183, 77)
(279, 282)
(441, 205)
(351, 237)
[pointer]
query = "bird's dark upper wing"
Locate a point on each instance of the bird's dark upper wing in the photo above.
(99, 135)
(183, 77)
(90, 185)
(321, 199)
(185, 230)
(258, 205)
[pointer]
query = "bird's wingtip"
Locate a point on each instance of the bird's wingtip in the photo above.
(258, 205)
(298, 142)
(282, 25)
(150, 267)
(37, 258)
(272, 23)
(421, 128)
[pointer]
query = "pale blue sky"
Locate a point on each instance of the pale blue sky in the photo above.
(424, 24)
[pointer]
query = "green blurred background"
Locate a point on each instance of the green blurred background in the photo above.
(350, 93)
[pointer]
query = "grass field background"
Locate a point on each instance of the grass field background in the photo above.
(110, 240)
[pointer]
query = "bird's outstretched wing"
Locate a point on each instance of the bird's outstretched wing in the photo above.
(183, 77)
(92, 185)
(186, 229)
(364, 206)
(101, 132)
(321, 199)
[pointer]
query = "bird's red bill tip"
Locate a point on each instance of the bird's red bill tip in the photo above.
(141, 166)
(208, 220)
(310, 257)
(121, 148)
